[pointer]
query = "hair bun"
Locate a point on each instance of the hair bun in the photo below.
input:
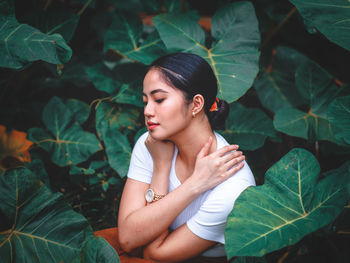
(217, 118)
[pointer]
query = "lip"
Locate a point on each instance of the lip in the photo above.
(151, 125)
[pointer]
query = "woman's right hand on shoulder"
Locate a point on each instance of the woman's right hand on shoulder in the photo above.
(162, 151)
(212, 169)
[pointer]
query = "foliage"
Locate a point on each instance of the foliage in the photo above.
(332, 24)
(250, 129)
(303, 204)
(233, 60)
(71, 79)
(22, 43)
(68, 143)
(40, 225)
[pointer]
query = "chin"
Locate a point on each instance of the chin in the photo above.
(160, 135)
(157, 135)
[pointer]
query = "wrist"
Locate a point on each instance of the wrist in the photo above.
(162, 168)
(192, 186)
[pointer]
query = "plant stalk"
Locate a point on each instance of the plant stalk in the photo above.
(278, 28)
(81, 11)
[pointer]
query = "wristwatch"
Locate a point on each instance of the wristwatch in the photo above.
(151, 196)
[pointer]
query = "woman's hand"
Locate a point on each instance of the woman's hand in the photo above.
(162, 152)
(212, 169)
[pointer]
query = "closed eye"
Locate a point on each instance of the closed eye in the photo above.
(159, 100)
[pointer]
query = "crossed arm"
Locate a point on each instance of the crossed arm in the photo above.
(148, 224)
(143, 224)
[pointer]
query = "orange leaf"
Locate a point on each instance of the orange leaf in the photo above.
(14, 145)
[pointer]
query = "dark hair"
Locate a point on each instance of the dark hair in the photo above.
(193, 75)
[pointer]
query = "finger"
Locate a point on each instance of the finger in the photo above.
(233, 170)
(235, 161)
(205, 149)
(226, 149)
(231, 155)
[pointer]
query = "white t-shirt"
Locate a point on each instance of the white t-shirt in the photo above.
(206, 216)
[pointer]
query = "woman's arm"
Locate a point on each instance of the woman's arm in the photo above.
(140, 224)
(179, 245)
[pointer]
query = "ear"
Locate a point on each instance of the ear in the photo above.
(198, 103)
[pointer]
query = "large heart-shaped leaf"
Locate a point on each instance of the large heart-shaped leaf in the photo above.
(53, 21)
(79, 109)
(233, 55)
(291, 204)
(110, 81)
(112, 115)
(97, 250)
(118, 151)
(318, 89)
(275, 85)
(248, 127)
(103, 78)
(67, 143)
(124, 36)
(329, 17)
(339, 115)
(21, 43)
(38, 226)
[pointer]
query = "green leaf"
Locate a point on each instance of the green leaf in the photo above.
(248, 127)
(318, 89)
(40, 225)
(67, 143)
(53, 21)
(97, 250)
(234, 53)
(79, 109)
(339, 115)
(173, 6)
(112, 115)
(128, 94)
(275, 85)
(37, 167)
(125, 35)
(21, 43)
(103, 79)
(329, 17)
(74, 170)
(110, 81)
(118, 151)
(291, 204)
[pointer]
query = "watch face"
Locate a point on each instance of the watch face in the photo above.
(149, 195)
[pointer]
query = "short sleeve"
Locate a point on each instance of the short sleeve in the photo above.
(141, 163)
(210, 221)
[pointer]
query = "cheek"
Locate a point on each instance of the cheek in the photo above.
(175, 110)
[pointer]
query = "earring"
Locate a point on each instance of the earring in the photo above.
(193, 114)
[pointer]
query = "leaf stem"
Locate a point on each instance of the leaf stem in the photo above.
(278, 28)
(317, 150)
(81, 11)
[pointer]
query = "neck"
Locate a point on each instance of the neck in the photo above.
(191, 140)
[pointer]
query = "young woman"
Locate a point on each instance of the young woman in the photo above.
(183, 177)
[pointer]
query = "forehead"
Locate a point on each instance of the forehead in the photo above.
(155, 80)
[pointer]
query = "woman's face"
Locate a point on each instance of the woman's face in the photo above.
(166, 112)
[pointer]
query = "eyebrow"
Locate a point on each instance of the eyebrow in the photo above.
(155, 91)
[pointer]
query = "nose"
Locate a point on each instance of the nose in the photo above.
(148, 111)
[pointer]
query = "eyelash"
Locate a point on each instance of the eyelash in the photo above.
(158, 101)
